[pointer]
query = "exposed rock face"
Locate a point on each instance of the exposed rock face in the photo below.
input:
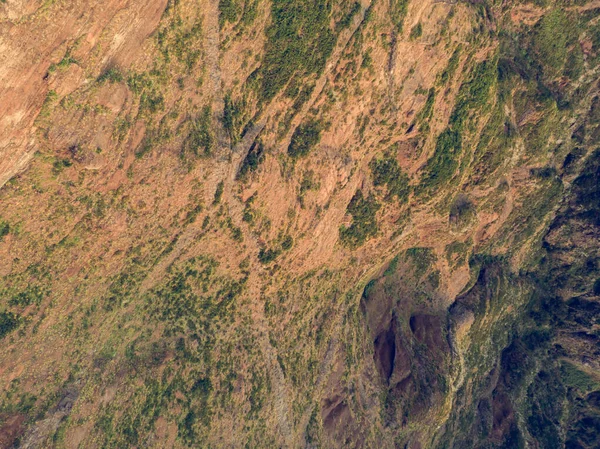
(35, 35)
(299, 223)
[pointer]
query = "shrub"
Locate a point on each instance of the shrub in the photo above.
(228, 11)
(234, 117)
(266, 256)
(347, 19)
(472, 95)
(444, 161)
(550, 41)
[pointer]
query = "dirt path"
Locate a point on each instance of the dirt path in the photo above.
(212, 42)
(279, 384)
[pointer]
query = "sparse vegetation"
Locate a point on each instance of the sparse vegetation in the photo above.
(398, 10)
(462, 210)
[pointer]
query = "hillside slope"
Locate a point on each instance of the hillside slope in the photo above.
(299, 223)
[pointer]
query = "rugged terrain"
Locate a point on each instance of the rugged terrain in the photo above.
(300, 223)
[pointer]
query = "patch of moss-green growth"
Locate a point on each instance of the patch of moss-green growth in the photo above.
(416, 32)
(307, 184)
(299, 41)
(473, 95)
(151, 102)
(218, 193)
(392, 266)
(398, 10)
(59, 165)
(576, 378)
(444, 162)
(200, 139)
(252, 161)
(422, 259)
(32, 294)
(427, 111)
(550, 41)
(111, 75)
(462, 210)
(4, 229)
(346, 20)
(305, 138)
(229, 10)
(250, 12)
(386, 172)
(9, 321)
(233, 116)
(64, 63)
(51, 98)
(456, 253)
(364, 221)
(450, 69)
(181, 43)
(268, 255)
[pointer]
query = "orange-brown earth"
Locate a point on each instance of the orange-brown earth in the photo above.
(173, 275)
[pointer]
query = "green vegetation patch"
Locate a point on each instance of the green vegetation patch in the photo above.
(200, 139)
(305, 137)
(364, 221)
(268, 255)
(550, 41)
(425, 114)
(229, 10)
(386, 172)
(416, 32)
(472, 95)
(398, 10)
(218, 193)
(111, 75)
(252, 160)
(233, 117)
(299, 41)
(576, 378)
(4, 229)
(8, 322)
